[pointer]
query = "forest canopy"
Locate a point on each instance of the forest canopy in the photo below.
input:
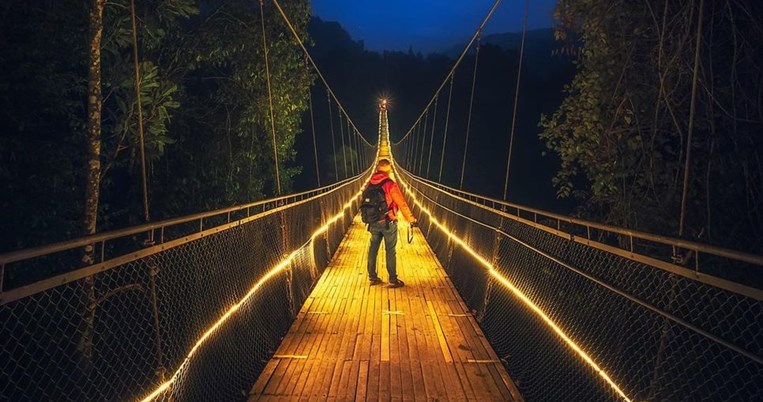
(662, 123)
(204, 105)
(619, 130)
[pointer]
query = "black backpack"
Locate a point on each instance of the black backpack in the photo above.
(374, 206)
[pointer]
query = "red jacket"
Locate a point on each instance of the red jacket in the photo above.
(394, 197)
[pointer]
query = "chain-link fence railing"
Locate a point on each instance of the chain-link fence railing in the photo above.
(199, 309)
(663, 319)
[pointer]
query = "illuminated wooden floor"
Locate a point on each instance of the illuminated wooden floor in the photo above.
(351, 341)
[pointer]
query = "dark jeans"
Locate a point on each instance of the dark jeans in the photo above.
(387, 231)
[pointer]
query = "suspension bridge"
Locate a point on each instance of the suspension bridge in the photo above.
(270, 301)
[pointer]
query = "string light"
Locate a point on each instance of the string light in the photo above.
(252, 291)
(521, 296)
(281, 266)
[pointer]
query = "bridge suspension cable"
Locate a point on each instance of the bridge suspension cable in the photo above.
(353, 144)
(516, 98)
(309, 57)
(415, 141)
(312, 128)
(431, 139)
(333, 142)
(692, 110)
(423, 141)
(414, 146)
(349, 144)
(344, 153)
(469, 118)
(419, 138)
(415, 138)
(468, 46)
(139, 108)
(270, 97)
(445, 130)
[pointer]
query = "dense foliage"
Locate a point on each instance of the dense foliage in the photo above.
(206, 118)
(204, 103)
(622, 133)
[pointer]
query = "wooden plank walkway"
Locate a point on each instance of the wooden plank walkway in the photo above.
(352, 341)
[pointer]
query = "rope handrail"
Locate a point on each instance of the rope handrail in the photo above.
(34, 252)
(666, 240)
(16, 293)
(620, 292)
(598, 293)
(173, 303)
(15, 256)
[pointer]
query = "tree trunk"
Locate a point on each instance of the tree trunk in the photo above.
(93, 176)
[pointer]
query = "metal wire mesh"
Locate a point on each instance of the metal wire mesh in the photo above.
(659, 335)
(121, 332)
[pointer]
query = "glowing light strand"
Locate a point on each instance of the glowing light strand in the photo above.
(521, 296)
(252, 291)
(599, 282)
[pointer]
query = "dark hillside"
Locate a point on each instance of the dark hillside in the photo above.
(409, 79)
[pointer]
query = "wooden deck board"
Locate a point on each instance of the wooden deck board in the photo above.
(351, 341)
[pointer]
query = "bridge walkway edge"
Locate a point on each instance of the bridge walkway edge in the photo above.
(351, 341)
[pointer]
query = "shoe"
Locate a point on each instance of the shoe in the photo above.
(375, 281)
(397, 283)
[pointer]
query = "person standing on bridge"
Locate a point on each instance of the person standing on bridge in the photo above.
(383, 224)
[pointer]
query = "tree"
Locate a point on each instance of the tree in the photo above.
(205, 113)
(159, 24)
(44, 100)
(93, 175)
(223, 127)
(622, 131)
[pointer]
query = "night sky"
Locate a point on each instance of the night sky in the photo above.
(427, 25)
